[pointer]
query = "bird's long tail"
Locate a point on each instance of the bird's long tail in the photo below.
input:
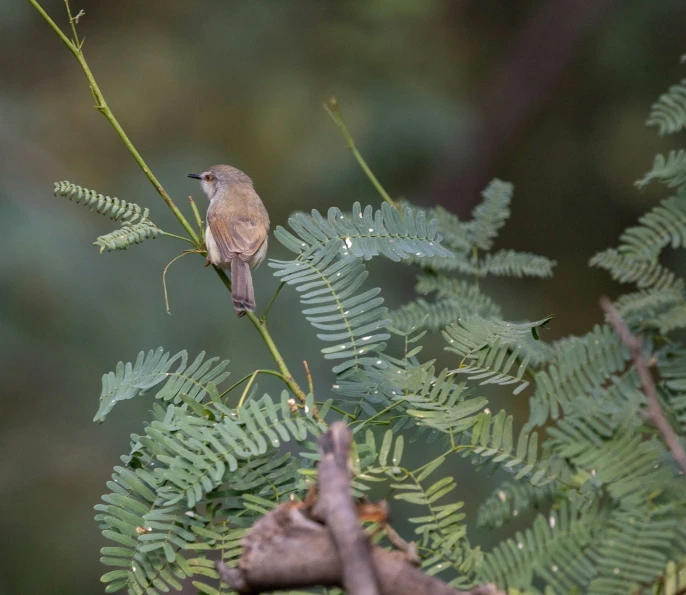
(242, 291)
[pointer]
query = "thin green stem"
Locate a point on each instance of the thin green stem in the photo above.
(269, 342)
(242, 380)
(247, 389)
(342, 412)
(164, 278)
(332, 109)
(103, 108)
(72, 23)
(198, 219)
(266, 312)
(364, 422)
(173, 235)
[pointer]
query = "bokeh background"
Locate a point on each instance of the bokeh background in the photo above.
(440, 97)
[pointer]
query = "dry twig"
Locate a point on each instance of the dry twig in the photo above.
(321, 543)
(654, 410)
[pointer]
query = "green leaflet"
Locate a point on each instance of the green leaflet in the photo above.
(130, 380)
(632, 551)
(113, 208)
(455, 299)
(630, 269)
(365, 234)
(671, 170)
(474, 333)
(128, 235)
(492, 443)
(556, 549)
(329, 272)
(665, 225)
(511, 499)
(582, 365)
(355, 322)
(491, 214)
(135, 228)
(668, 113)
(170, 504)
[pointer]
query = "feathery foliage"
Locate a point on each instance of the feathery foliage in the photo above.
(365, 234)
(670, 170)
(495, 351)
(329, 271)
(113, 208)
(135, 228)
(128, 235)
(555, 549)
(511, 499)
(582, 365)
(664, 225)
(491, 214)
(202, 472)
(632, 551)
(455, 298)
(355, 322)
(668, 113)
(130, 380)
(629, 269)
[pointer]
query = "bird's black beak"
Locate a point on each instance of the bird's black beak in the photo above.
(196, 176)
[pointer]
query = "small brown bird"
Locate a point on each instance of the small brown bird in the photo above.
(236, 229)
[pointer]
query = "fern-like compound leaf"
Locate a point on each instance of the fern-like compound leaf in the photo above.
(557, 550)
(443, 404)
(668, 113)
(449, 287)
(511, 499)
(646, 309)
(629, 269)
(135, 228)
(492, 443)
(455, 233)
(632, 551)
(112, 207)
(508, 263)
(670, 170)
(490, 215)
(169, 504)
(200, 454)
(354, 322)
(494, 351)
(149, 370)
(456, 298)
(664, 225)
(365, 234)
(501, 364)
(127, 235)
(582, 365)
(129, 380)
(474, 333)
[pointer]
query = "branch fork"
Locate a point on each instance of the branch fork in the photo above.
(320, 542)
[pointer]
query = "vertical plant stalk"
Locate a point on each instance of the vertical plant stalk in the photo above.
(101, 105)
(332, 109)
(103, 108)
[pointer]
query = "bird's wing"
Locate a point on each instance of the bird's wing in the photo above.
(236, 235)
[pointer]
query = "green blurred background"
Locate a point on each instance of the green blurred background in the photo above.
(440, 97)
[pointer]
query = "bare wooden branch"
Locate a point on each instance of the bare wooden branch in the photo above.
(337, 508)
(321, 543)
(654, 410)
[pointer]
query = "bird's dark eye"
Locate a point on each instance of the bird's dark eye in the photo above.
(209, 177)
